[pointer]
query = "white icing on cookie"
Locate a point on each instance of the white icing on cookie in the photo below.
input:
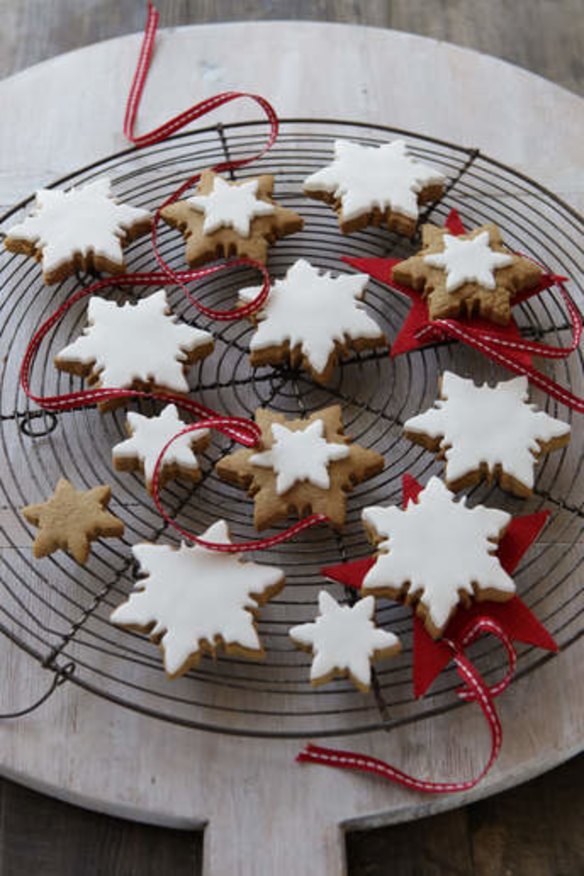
(343, 638)
(81, 220)
(440, 547)
(192, 595)
(149, 435)
(231, 205)
(468, 261)
(368, 177)
(491, 425)
(313, 310)
(135, 342)
(300, 455)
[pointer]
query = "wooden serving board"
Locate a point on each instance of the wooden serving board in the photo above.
(92, 752)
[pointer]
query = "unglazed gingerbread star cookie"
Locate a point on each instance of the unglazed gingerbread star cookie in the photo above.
(344, 641)
(230, 219)
(84, 228)
(137, 346)
(487, 432)
(310, 318)
(192, 600)
(70, 519)
(149, 436)
(302, 467)
(437, 553)
(375, 185)
(461, 275)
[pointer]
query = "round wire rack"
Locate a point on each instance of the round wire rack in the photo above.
(59, 612)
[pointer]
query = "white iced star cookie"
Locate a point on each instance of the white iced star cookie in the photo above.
(467, 274)
(192, 600)
(225, 219)
(301, 466)
(375, 185)
(310, 318)
(344, 641)
(468, 261)
(297, 456)
(84, 229)
(437, 553)
(487, 432)
(135, 346)
(148, 436)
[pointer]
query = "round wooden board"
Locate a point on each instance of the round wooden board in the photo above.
(88, 751)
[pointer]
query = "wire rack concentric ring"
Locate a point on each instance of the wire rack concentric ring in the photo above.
(58, 611)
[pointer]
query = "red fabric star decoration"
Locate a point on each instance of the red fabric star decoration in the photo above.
(431, 656)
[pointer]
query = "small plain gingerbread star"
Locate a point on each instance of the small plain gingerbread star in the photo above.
(70, 519)
(301, 466)
(230, 219)
(461, 275)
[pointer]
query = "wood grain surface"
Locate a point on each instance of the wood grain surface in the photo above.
(533, 830)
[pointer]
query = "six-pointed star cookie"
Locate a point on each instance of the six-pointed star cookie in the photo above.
(469, 273)
(344, 641)
(71, 519)
(309, 318)
(437, 552)
(192, 599)
(231, 219)
(375, 185)
(486, 432)
(81, 229)
(149, 436)
(135, 346)
(302, 466)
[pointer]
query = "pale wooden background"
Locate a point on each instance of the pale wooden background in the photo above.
(534, 830)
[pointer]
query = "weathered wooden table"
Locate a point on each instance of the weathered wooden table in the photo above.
(84, 750)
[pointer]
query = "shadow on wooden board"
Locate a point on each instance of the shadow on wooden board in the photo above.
(532, 830)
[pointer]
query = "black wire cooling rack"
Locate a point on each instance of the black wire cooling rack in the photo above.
(58, 611)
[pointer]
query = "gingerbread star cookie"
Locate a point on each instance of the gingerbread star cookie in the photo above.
(135, 346)
(70, 519)
(466, 274)
(344, 641)
(375, 185)
(84, 228)
(192, 600)
(230, 219)
(311, 318)
(149, 436)
(302, 466)
(487, 432)
(437, 553)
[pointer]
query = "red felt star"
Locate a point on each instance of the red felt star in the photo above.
(432, 656)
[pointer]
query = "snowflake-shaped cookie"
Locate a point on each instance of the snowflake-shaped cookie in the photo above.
(192, 600)
(231, 218)
(344, 641)
(468, 273)
(136, 346)
(309, 318)
(148, 437)
(484, 431)
(84, 228)
(302, 466)
(70, 519)
(437, 552)
(375, 185)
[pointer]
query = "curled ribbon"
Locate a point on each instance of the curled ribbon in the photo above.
(475, 690)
